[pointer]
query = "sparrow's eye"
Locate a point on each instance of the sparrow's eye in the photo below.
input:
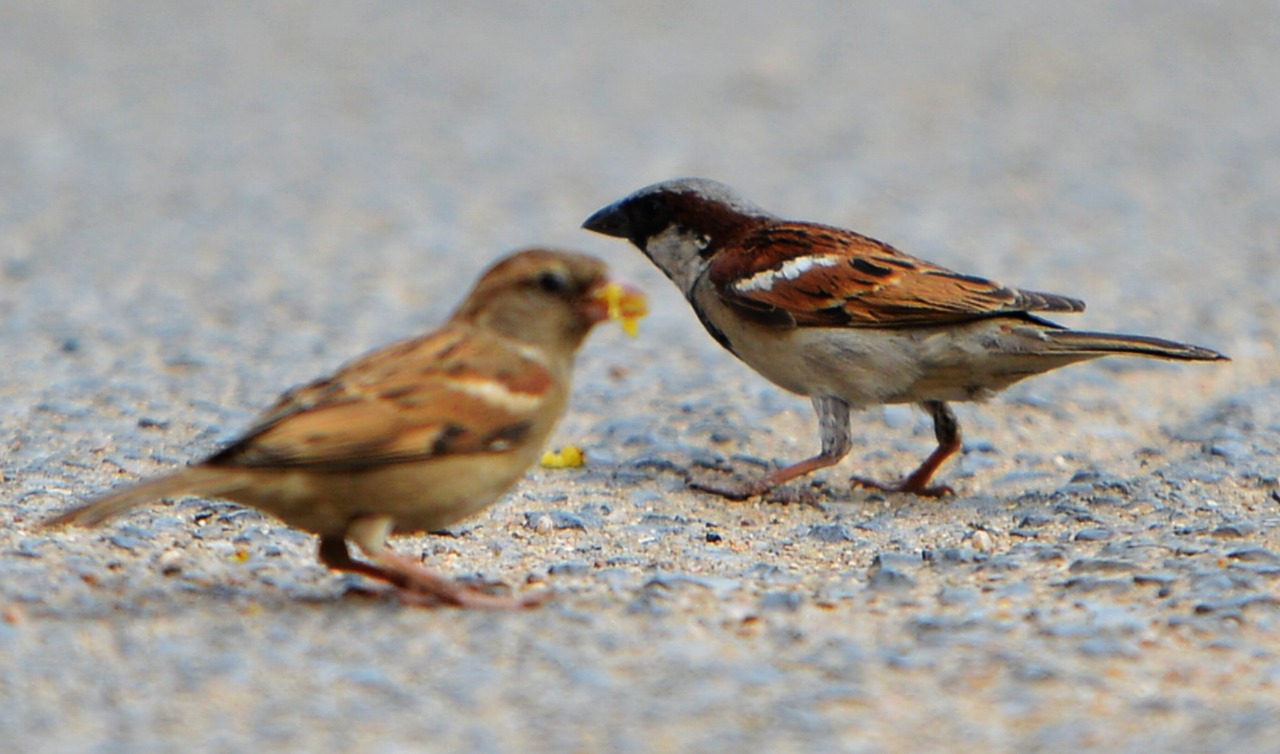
(553, 281)
(650, 204)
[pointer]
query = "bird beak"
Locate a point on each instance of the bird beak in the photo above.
(621, 302)
(610, 221)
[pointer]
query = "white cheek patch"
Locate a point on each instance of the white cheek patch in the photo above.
(678, 255)
(790, 270)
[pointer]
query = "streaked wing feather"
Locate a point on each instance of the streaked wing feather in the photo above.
(454, 391)
(835, 277)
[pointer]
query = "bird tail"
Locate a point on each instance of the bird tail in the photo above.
(192, 481)
(1104, 344)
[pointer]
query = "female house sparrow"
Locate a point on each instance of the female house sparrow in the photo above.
(417, 435)
(850, 321)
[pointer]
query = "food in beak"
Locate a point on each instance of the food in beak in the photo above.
(623, 303)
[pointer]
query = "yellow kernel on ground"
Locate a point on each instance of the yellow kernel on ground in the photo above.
(240, 556)
(568, 457)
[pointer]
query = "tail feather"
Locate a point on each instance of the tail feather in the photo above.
(1102, 343)
(192, 481)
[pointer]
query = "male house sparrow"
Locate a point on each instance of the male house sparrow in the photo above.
(850, 321)
(417, 435)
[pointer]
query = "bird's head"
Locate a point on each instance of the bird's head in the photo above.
(679, 224)
(550, 298)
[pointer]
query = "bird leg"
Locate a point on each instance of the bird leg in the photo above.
(416, 585)
(833, 419)
(947, 430)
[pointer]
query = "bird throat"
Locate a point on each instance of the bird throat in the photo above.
(676, 251)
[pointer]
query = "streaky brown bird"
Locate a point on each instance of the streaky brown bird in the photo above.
(417, 435)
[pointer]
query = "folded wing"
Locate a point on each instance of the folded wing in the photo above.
(811, 275)
(418, 399)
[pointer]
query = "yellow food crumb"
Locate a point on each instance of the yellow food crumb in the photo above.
(240, 556)
(568, 457)
(627, 306)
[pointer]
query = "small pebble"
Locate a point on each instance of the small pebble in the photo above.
(982, 540)
(830, 533)
(1035, 520)
(1254, 555)
(941, 624)
(957, 595)
(170, 562)
(951, 555)
(1077, 513)
(1235, 529)
(1236, 605)
(1095, 584)
(569, 568)
(900, 560)
(718, 586)
(1232, 450)
(30, 548)
(1159, 578)
(125, 542)
(1102, 565)
(979, 446)
(781, 600)
(545, 522)
(889, 580)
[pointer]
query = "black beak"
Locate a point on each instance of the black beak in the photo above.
(610, 221)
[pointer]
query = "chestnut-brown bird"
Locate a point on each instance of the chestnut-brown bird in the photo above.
(418, 435)
(850, 321)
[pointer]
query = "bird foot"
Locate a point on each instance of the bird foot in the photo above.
(469, 598)
(814, 492)
(422, 588)
(909, 485)
(733, 489)
(738, 490)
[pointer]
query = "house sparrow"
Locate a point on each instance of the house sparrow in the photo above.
(849, 321)
(417, 435)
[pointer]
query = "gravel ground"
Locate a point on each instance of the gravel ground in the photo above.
(207, 203)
